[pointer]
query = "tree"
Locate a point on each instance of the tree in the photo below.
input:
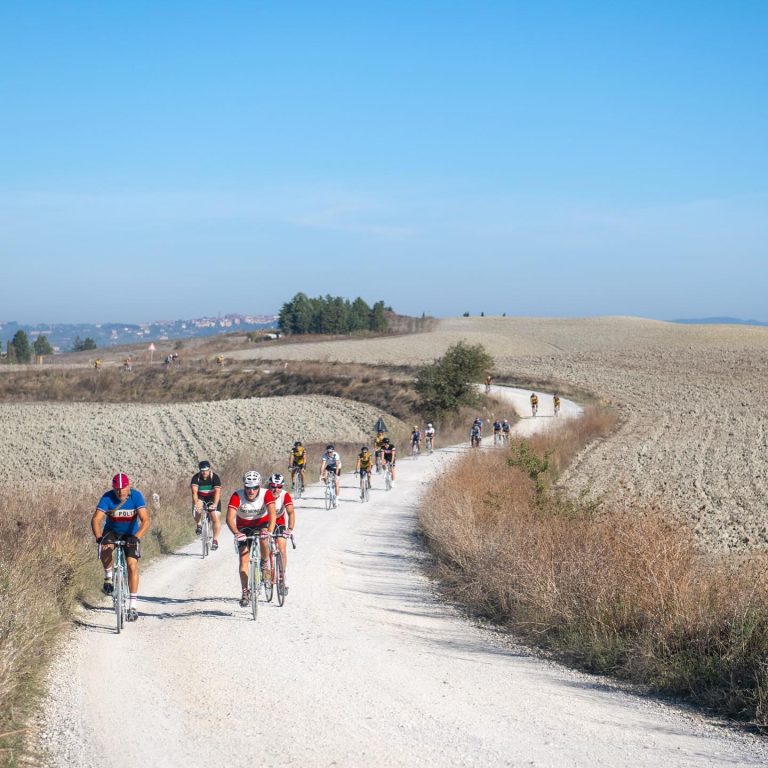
(21, 348)
(83, 345)
(378, 321)
(448, 383)
(42, 346)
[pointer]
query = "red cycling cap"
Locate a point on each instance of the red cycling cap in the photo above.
(120, 481)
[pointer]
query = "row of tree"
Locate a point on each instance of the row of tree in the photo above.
(331, 314)
(21, 351)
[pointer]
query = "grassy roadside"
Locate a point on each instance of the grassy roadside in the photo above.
(617, 591)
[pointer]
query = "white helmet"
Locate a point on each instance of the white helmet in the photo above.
(252, 479)
(276, 480)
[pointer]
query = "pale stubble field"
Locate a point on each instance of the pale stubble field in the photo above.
(692, 398)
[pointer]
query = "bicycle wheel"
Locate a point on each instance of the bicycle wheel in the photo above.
(204, 533)
(299, 485)
(366, 488)
(117, 596)
(279, 578)
(388, 479)
(269, 584)
(254, 582)
(328, 495)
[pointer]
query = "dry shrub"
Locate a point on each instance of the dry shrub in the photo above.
(622, 591)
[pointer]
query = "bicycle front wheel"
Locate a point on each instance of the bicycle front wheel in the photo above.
(204, 535)
(366, 489)
(118, 597)
(279, 578)
(254, 583)
(269, 583)
(328, 496)
(299, 486)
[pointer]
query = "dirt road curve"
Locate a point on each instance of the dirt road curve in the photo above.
(362, 666)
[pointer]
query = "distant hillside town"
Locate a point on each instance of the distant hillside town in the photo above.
(63, 336)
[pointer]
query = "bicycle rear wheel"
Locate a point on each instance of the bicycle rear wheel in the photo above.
(279, 578)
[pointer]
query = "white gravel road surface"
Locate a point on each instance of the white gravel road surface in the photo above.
(364, 665)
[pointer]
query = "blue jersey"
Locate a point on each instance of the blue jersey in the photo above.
(126, 519)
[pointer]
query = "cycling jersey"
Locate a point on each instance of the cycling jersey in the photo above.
(388, 454)
(496, 426)
(365, 461)
(249, 513)
(122, 517)
(557, 401)
(206, 487)
(505, 426)
(298, 456)
(332, 460)
(281, 502)
(430, 432)
(415, 436)
(534, 400)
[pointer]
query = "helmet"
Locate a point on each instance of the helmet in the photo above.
(429, 424)
(385, 440)
(297, 444)
(364, 449)
(276, 480)
(120, 481)
(204, 465)
(252, 479)
(329, 447)
(415, 426)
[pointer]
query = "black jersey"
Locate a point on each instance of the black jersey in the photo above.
(206, 487)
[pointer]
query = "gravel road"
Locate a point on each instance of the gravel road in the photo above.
(363, 665)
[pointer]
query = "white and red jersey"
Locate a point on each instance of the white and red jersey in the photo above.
(249, 513)
(281, 502)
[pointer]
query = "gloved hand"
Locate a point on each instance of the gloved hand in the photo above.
(239, 536)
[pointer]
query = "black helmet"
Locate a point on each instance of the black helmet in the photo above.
(204, 465)
(329, 447)
(385, 440)
(297, 444)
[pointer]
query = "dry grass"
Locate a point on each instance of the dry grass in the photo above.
(48, 564)
(623, 590)
(389, 388)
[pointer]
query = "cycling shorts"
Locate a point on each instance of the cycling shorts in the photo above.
(389, 459)
(330, 468)
(250, 531)
(132, 543)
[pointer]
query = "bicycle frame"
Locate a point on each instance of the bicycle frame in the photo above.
(206, 525)
(254, 574)
(120, 581)
(330, 489)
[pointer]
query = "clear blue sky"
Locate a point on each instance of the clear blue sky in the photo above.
(163, 160)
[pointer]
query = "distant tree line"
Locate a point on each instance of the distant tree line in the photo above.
(331, 314)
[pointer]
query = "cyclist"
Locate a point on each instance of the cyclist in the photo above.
(556, 401)
(534, 403)
(475, 435)
(377, 450)
(478, 423)
(496, 431)
(505, 429)
(331, 462)
(429, 433)
(206, 489)
(488, 382)
(278, 503)
(416, 439)
(364, 463)
(121, 514)
(297, 462)
(247, 515)
(389, 456)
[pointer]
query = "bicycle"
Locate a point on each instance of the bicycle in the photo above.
(365, 486)
(278, 572)
(120, 581)
(298, 482)
(330, 490)
(430, 444)
(505, 438)
(206, 528)
(254, 574)
(415, 450)
(534, 408)
(497, 438)
(474, 440)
